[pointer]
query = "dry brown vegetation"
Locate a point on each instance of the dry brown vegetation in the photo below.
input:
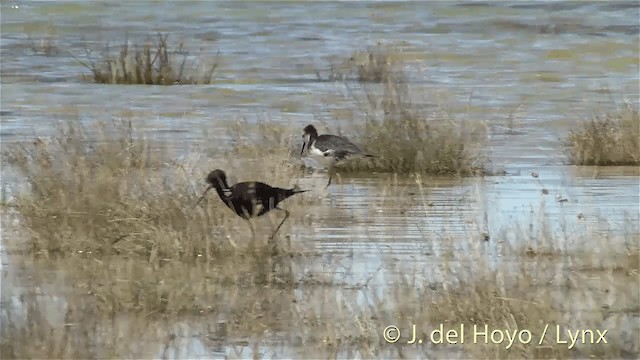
(114, 197)
(377, 67)
(392, 122)
(108, 226)
(265, 138)
(373, 65)
(153, 63)
(407, 139)
(609, 139)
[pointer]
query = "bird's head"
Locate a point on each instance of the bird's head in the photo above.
(216, 179)
(309, 134)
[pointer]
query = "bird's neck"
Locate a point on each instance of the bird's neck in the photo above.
(313, 137)
(223, 191)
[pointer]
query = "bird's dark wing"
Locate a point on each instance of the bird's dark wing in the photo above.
(340, 145)
(258, 198)
(341, 155)
(244, 199)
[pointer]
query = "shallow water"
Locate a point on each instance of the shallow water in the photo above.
(545, 64)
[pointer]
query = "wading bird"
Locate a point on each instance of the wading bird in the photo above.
(329, 149)
(249, 199)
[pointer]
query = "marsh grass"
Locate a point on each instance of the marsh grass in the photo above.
(264, 138)
(577, 289)
(375, 64)
(145, 272)
(526, 302)
(505, 297)
(511, 294)
(391, 120)
(407, 138)
(124, 218)
(335, 321)
(410, 140)
(152, 63)
(609, 139)
(87, 331)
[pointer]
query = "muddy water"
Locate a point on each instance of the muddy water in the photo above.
(528, 70)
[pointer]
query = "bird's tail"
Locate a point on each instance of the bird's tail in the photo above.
(371, 156)
(296, 190)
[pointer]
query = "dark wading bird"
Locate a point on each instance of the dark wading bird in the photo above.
(329, 149)
(249, 199)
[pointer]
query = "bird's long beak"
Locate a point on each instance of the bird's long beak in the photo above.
(303, 145)
(204, 193)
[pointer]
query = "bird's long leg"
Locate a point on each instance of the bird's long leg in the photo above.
(286, 216)
(330, 173)
(253, 233)
(247, 217)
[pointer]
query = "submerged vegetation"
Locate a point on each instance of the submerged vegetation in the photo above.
(46, 46)
(609, 139)
(152, 63)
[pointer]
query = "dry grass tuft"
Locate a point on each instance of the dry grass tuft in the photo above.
(377, 66)
(407, 137)
(610, 139)
(265, 138)
(393, 123)
(409, 140)
(373, 65)
(150, 64)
